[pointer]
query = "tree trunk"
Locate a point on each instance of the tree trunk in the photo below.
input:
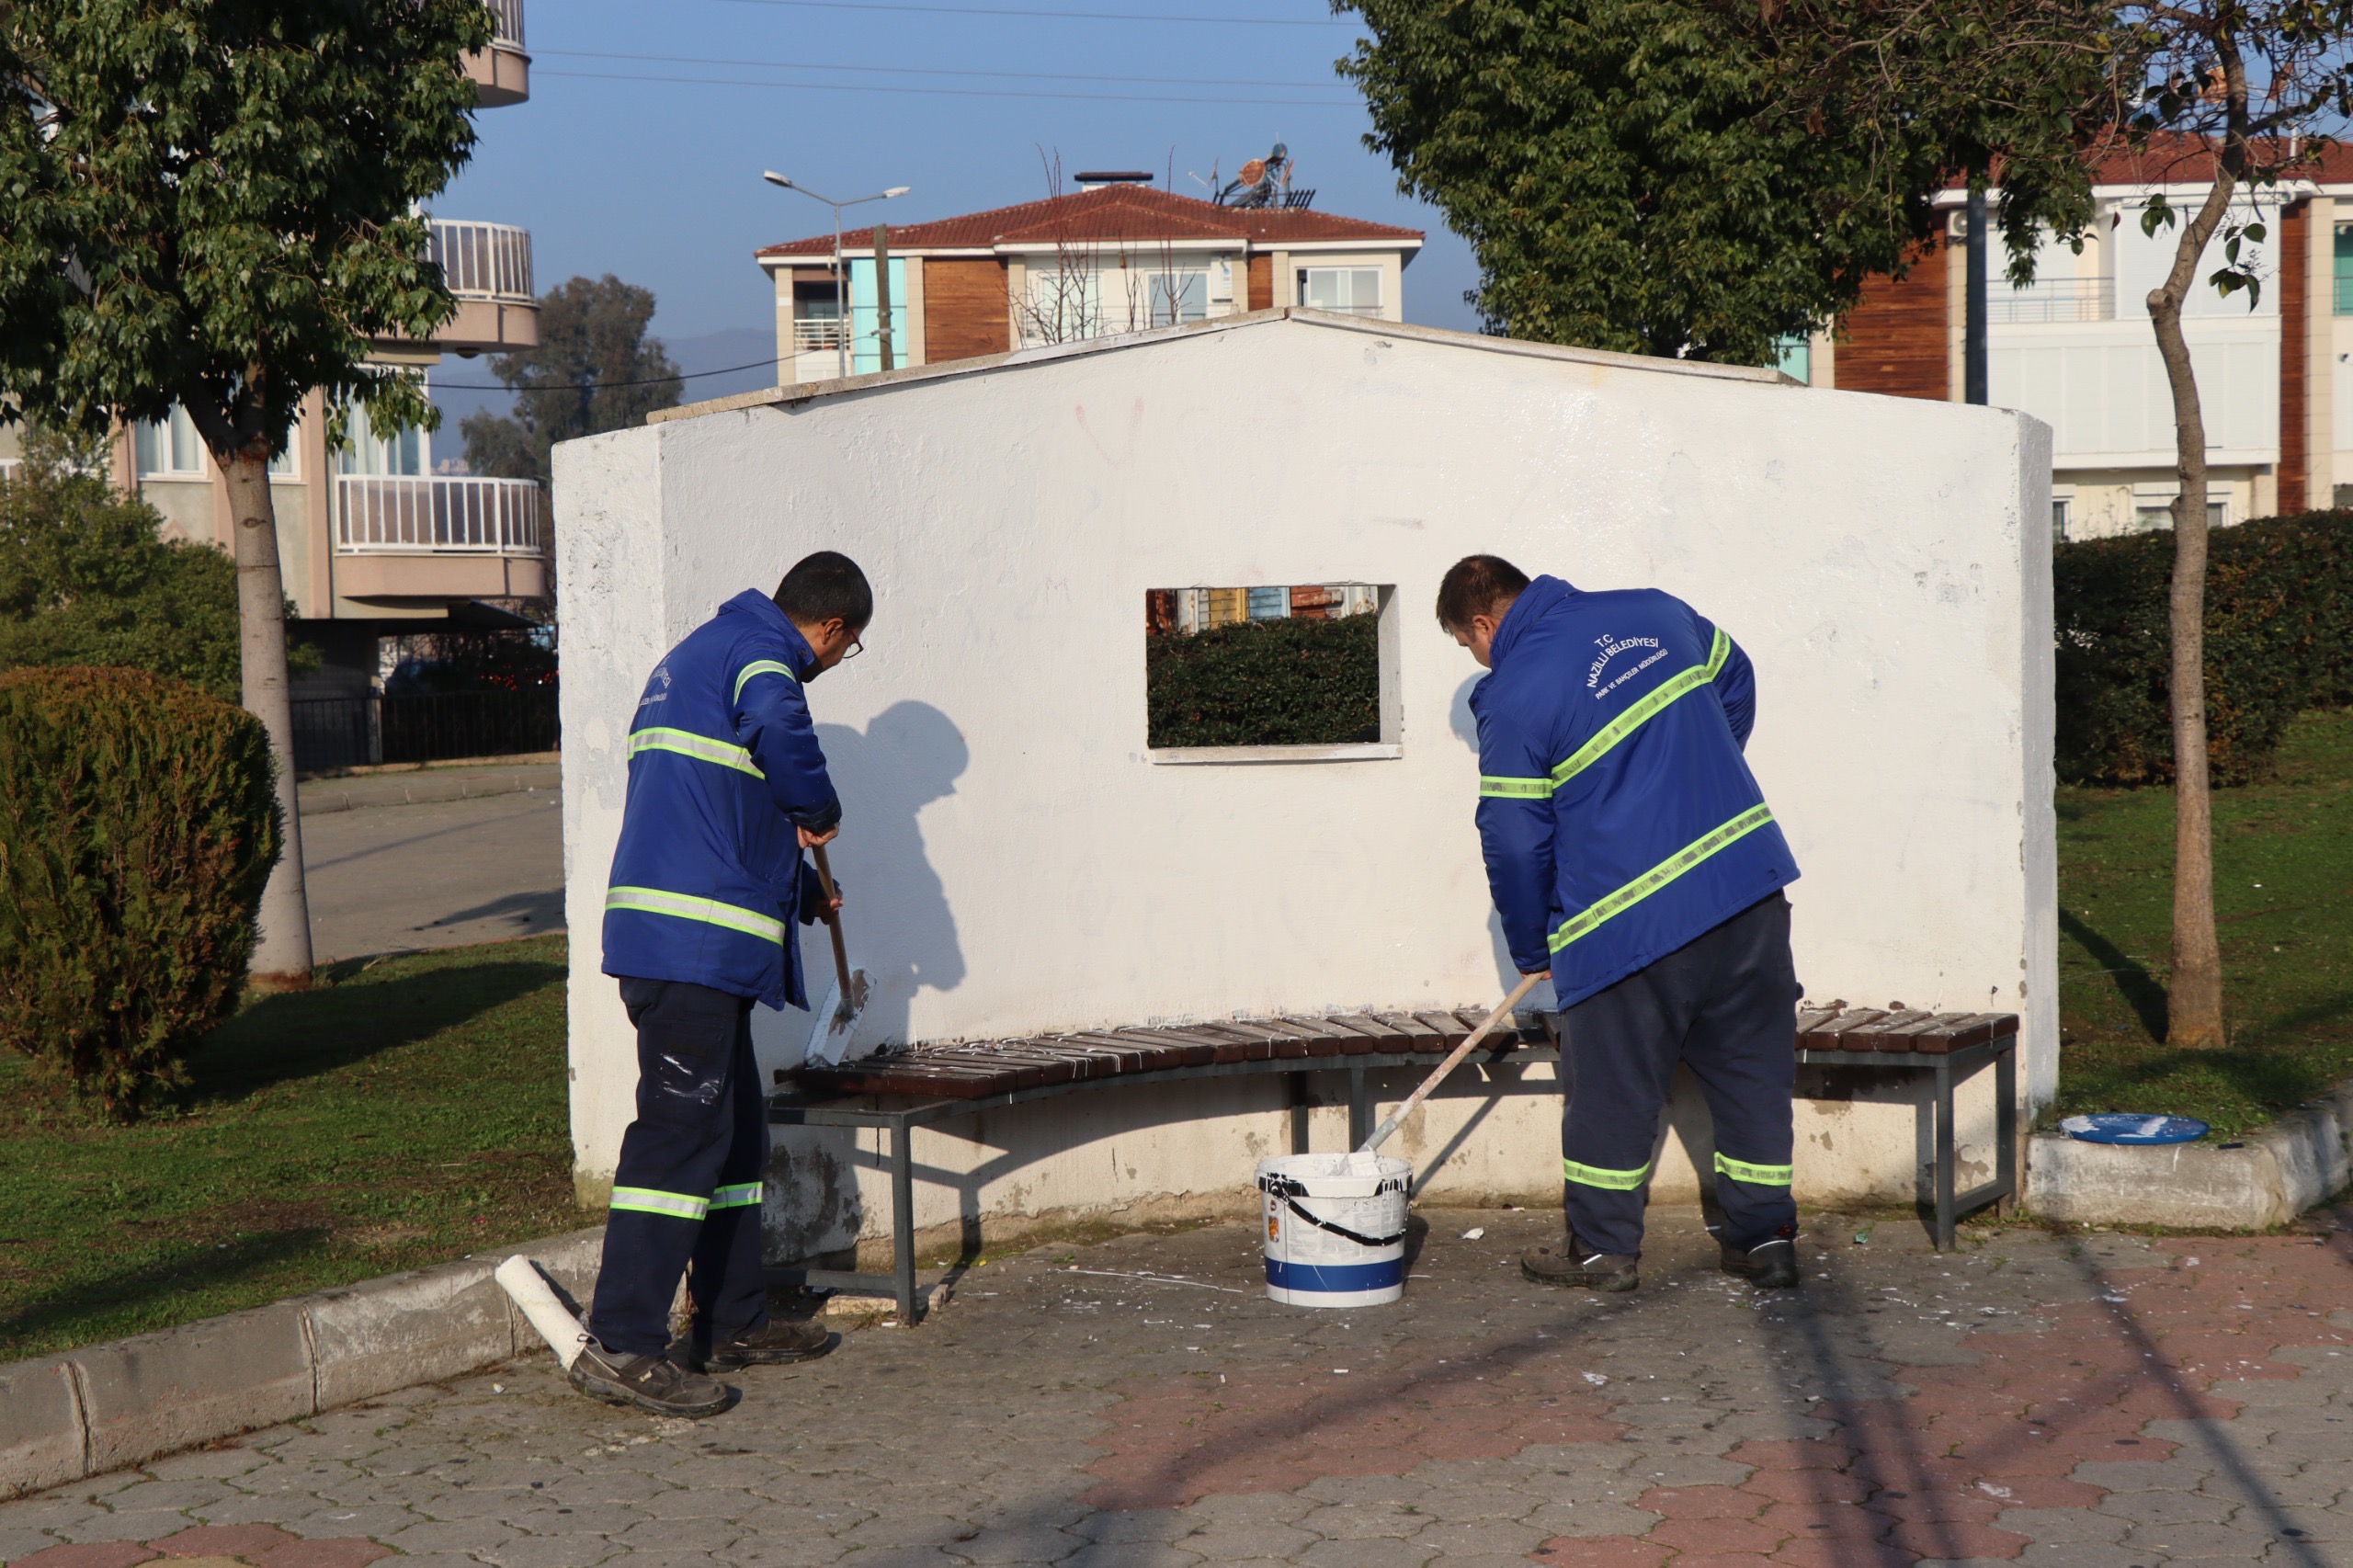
(2194, 990)
(281, 960)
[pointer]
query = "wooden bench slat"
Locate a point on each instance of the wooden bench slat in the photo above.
(1825, 1035)
(1335, 1036)
(1874, 1035)
(1418, 1035)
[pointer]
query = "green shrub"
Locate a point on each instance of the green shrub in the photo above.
(1265, 682)
(2278, 641)
(88, 578)
(137, 826)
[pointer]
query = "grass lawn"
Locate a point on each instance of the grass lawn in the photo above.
(402, 1113)
(2283, 900)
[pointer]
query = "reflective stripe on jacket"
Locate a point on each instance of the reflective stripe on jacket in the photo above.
(1619, 817)
(724, 765)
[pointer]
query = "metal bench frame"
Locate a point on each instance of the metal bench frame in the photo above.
(909, 1112)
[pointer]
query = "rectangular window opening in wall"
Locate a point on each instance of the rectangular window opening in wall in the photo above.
(1291, 673)
(2060, 506)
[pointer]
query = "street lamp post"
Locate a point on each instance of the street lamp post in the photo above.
(841, 293)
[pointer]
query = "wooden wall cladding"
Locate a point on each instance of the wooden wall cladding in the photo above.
(2295, 307)
(964, 307)
(1897, 341)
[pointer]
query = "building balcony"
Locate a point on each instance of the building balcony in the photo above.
(811, 334)
(409, 536)
(501, 74)
(2053, 300)
(488, 268)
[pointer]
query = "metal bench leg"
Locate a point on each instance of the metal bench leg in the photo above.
(1359, 1109)
(903, 1217)
(2006, 1125)
(1299, 1112)
(1944, 1153)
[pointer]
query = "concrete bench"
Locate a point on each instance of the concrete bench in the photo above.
(906, 1090)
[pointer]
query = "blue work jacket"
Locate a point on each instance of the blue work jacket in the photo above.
(724, 765)
(1618, 815)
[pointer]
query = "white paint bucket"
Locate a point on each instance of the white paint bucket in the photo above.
(1336, 1228)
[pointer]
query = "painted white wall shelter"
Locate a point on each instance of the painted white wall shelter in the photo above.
(1019, 860)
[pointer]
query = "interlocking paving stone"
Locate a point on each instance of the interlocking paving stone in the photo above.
(2074, 1400)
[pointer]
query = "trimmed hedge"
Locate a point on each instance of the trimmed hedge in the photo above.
(137, 826)
(1265, 682)
(2278, 641)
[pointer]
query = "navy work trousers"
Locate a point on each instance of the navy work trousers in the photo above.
(686, 1196)
(1724, 1005)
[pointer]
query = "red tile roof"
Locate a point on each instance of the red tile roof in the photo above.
(1118, 213)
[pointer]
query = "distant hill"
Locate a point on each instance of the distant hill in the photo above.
(753, 346)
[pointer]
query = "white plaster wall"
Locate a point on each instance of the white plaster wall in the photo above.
(1015, 861)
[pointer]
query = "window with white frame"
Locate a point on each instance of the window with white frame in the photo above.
(1349, 290)
(170, 448)
(1172, 297)
(2155, 517)
(405, 451)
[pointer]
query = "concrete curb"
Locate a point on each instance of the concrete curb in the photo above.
(106, 1406)
(2303, 1159)
(318, 797)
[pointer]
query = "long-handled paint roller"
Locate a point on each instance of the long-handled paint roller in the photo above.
(829, 1029)
(1389, 1124)
(520, 1278)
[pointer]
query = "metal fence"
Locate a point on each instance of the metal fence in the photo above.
(451, 512)
(482, 261)
(2053, 300)
(359, 732)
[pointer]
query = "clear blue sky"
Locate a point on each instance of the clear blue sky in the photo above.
(638, 155)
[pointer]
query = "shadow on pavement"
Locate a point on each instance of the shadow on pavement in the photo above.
(349, 1019)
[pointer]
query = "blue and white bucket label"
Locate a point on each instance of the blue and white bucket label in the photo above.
(1336, 1229)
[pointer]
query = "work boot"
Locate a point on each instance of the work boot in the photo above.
(776, 1344)
(649, 1383)
(1770, 1265)
(1580, 1267)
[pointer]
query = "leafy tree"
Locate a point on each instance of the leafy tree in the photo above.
(86, 578)
(212, 203)
(1705, 178)
(2237, 95)
(594, 369)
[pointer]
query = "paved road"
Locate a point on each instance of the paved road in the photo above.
(384, 879)
(2098, 1401)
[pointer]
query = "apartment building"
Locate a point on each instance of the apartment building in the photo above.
(373, 540)
(2077, 350)
(1114, 255)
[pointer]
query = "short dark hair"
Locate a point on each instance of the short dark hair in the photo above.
(1477, 585)
(826, 586)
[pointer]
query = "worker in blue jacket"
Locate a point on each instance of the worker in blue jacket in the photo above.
(727, 787)
(1634, 858)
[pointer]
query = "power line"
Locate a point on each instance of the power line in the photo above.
(916, 70)
(951, 92)
(1057, 16)
(767, 364)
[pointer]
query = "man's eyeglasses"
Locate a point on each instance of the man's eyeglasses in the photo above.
(855, 648)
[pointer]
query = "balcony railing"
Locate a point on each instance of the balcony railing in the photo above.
(436, 512)
(483, 261)
(813, 333)
(507, 19)
(2053, 300)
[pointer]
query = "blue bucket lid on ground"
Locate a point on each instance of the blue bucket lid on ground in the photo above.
(2132, 1127)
